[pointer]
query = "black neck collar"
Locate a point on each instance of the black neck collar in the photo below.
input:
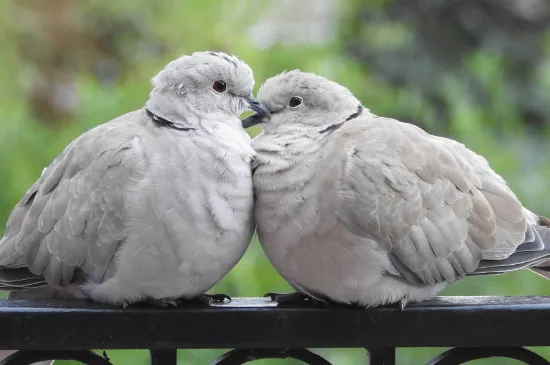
(338, 125)
(161, 122)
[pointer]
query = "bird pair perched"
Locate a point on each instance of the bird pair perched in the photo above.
(160, 203)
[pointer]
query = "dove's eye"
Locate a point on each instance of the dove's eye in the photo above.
(295, 101)
(219, 86)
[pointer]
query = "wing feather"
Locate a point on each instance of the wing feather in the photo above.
(73, 216)
(436, 207)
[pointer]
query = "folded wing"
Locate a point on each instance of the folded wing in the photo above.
(72, 219)
(436, 208)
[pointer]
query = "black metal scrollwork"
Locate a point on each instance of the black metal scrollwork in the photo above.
(238, 357)
(31, 357)
(461, 355)
(385, 356)
(164, 357)
(381, 356)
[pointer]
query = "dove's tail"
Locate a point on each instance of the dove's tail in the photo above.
(13, 273)
(48, 292)
(533, 253)
(21, 283)
(543, 268)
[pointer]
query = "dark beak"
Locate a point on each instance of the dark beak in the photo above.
(261, 112)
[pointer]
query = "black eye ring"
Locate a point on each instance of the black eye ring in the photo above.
(219, 86)
(295, 102)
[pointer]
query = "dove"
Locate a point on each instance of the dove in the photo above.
(153, 205)
(359, 209)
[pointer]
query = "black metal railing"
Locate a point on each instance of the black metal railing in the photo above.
(474, 328)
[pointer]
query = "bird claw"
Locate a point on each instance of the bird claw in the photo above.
(168, 303)
(288, 298)
(163, 303)
(214, 299)
(206, 299)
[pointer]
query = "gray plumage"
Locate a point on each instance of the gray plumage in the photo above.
(156, 203)
(363, 209)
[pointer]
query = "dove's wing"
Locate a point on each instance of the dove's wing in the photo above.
(434, 206)
(72, 217)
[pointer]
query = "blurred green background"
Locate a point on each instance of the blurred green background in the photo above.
(475, 70)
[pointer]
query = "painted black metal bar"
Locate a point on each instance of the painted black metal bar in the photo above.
(459, 356)
(256, 323)
(258, 328)
(381, 356)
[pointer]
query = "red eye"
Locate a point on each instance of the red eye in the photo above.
(219, 86)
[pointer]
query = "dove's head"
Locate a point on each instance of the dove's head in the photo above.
(300, 101)
(212, 85)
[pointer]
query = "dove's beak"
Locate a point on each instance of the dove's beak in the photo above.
(261, 114)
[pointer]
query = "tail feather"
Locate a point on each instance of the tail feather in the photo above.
(532, 241)
(20, 279)
(48, 292)
(20, 288)
(542, 269)
(20, 282)
(533, 253)
(504, 266)
(15, 275)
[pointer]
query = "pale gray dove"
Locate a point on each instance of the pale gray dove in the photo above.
(155, 204)
(355, 208)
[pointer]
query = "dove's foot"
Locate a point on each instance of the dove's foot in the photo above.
(165, 302)
(403, 303)
(205, 299)
(302, 299)
(292, 298)
(153, 302)
(209, 299)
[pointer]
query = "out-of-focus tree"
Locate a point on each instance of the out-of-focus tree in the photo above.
(58, 39)
(48, 41)
(422, 45)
